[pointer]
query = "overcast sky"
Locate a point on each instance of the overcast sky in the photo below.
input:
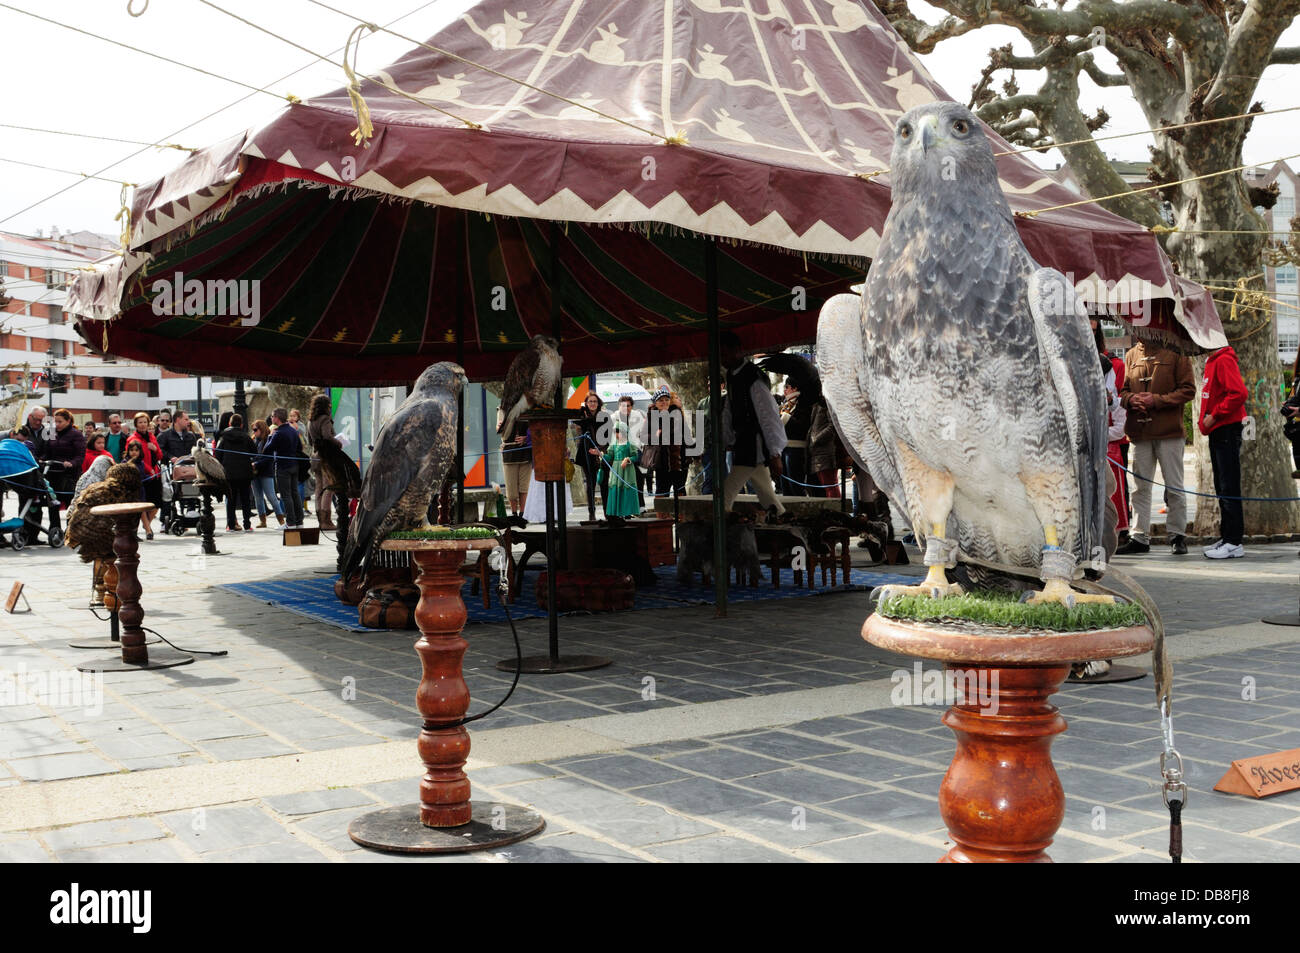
(56, 79)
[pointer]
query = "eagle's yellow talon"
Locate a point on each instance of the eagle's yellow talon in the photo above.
(1059, 591)
(927, 589)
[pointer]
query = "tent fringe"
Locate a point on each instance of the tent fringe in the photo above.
(354, 192)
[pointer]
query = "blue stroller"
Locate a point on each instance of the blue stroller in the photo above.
(20, 473)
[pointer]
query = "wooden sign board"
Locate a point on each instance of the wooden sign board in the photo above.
(304, 536)
(14, 594)
(1263, 776)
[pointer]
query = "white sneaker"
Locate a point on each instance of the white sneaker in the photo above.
(1227, 551)
(1209, 549)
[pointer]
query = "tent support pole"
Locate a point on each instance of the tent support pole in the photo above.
(561, 517)
(721, 573)
(460, 417)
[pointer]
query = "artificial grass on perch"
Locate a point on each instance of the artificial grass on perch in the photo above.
(447, 532)
(1004, 610)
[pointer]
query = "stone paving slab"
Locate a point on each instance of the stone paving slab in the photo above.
(697, 770)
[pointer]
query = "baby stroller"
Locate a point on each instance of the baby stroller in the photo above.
(182, 495)
(20, 473)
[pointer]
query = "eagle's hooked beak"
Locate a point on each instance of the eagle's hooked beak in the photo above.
(929, 133)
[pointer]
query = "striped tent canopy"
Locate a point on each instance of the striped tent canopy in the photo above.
(562, 166)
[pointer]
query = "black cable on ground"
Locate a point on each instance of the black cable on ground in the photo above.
(519, 664)
(178, 648)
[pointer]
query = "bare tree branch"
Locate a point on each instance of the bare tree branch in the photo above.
(1011, 106)
(1100, 76)
(1114, 17)
(921, 36)
(1285, 56)
(1250, 48)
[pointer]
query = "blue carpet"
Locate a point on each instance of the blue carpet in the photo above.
(314, 598)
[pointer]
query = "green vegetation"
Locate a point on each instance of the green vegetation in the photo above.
(446, 532)
(1006, 611)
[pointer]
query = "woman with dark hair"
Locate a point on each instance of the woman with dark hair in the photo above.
(332, 468)
(666, 438)
(66, 450)
(235, 450)
(150, 462)
(134, 453)
(593, 431)
(96, 446)
(264, 480)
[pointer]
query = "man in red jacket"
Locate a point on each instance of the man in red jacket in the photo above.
(1223, 408)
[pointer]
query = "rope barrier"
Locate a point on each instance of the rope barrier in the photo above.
(1214, 496)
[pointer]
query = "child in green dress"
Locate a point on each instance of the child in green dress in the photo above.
(622, 457)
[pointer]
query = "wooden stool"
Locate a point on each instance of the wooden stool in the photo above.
(836, 535)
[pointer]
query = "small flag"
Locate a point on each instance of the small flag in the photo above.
(581, 387)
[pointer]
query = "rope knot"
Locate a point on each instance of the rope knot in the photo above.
(365, 128)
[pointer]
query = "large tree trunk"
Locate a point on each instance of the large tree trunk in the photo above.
(1251, 331)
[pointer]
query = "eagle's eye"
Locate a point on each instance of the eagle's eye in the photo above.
(905, 131)
(960, 127)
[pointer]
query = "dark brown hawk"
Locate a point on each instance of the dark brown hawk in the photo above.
(531, 381)
(413, 453)
(92, 536)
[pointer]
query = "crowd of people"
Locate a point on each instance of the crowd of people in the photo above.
(267, 470)
(626, 455)
(787, 445)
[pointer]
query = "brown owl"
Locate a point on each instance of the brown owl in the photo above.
(92, 536)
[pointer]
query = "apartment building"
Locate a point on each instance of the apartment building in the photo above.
(1282, 284)
(37, 334)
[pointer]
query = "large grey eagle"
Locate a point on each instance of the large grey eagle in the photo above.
(531, 381)
(415, 449)
(965, 379)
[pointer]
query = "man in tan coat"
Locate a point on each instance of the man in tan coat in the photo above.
(1157, 383)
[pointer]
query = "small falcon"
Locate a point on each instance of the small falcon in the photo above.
(210, 471)
(531, 381)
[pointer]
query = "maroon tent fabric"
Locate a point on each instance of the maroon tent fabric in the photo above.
(640, 128)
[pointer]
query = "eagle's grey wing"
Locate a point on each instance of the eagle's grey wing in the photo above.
(842, 364)
(519, 381)
(1074, 368)
(400, 450)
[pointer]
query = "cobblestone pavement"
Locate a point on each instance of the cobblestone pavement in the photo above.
(768, 736)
